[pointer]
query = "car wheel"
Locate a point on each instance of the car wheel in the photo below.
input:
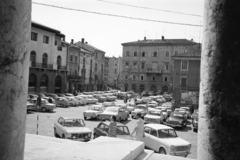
(162, 151)
(43, 109)
(55, 133)
(61, 105)
(63, 136)
(132, 117)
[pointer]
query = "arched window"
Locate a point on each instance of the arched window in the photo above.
(126, 87)
(141, 88)
(32, 83)
(84, 60)
(33, 58)
(58, 83)
(59, 61)
(153, 88)
(44, 83)
(44, 60)
(134, 87)
(165, 89)
(76, 58)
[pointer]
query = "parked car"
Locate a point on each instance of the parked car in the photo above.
(154, 116)
(177, 119)
(32, 96)
(45, 105)
(180, 110)
(81, 101)
(130, 107)
(109, 97)
(187, 110)
(102, 130)
(120, 112)
(195, 114)
(141, 108)
(100, 98)
(164, 140)
(108, 104)
(164, 110)
(93, 111)
(121, 95)
(31, 106)
(72, 128)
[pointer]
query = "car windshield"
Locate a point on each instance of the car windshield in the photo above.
(112, 110)
(156, 113)
(141, 107)
(73, 123)
(167, 133)
(122, 130)
(95, 108)
(176, 115)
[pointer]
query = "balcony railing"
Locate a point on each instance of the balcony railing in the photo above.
(150, 70)
(47, 66)
(74, 77)
(61, 67)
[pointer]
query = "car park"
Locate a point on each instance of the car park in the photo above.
(93, 112)
(164, 110)
(100, 97)
(120, 112)
(122, 130)
(164, 140)
(177, 119)
(108, 104)
(154, 116)
(187, 111)
(141, 108)
(72, 128)
(45, 105)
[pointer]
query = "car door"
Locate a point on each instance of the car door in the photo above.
(59, 126)
(153, 139)
(146, 138)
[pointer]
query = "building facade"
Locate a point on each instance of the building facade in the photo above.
(97, 63)
(186, 76)
(147, 64)
(114, 71)
(48, 54)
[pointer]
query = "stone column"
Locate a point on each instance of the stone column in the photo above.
(219, 118)
(15, 27)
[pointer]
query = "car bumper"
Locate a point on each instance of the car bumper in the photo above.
(181, 154)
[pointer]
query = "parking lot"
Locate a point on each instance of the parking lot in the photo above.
(47, 119)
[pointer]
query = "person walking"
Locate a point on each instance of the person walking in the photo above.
(139, 128)
(112, 131)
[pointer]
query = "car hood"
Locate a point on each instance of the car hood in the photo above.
(152, 116)
(77, 129)
(175, 141)
(91, 111)
(108, 113)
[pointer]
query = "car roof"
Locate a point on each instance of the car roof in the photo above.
(72, 118)
(108, 122)
(158, 126)
(178, 112)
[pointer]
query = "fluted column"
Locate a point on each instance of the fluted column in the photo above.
(15, 27)
(219, 105)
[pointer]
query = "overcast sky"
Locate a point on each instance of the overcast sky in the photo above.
(107, 33)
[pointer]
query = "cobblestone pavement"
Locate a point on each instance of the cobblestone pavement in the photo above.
(46, 122)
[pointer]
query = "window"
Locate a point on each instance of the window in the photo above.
(71, 58)
(33, 58)
(95, 66)
(167, 53)
(154, 65)
(166, 66)
(147, 130)
(184, 65)
(134, 65)
(155, 54)
(176, 53)
(127, 64)
(127, 54)
(142, 65)
(183, 81)
(142, 77)
(45, 39)
(165, 79)
(115, 70)
(33, 36)
(134, 77)
(76, 59)
(143, 53)
(153, 78)
(44, 60)
(153, 132)
(59, 59)
(135, 54)
(126, 77)
(55, 42)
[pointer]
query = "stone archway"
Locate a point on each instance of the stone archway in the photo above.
(164, 89)
(58, 83)
(32, 83)
(141, 88)
(134, 87)
(44, 83)
(153, 88)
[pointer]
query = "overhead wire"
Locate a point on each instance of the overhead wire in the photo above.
(123, 4)
(120, 16)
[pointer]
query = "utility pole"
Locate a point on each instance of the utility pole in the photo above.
(15, 28)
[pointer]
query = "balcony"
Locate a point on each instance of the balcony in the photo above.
(41, 65)
(74, 77)
(150, 70)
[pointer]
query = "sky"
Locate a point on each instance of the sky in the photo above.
(108, 33)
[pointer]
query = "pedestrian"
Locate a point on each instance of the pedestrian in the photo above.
(139, 128)
(112, 131)
(38, 101)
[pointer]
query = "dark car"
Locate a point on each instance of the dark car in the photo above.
(177, 119)
(102, 130)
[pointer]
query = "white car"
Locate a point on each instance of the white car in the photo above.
(187, 110)
(93, 111)
(72, 128)
(164, 140)
(164, 109)
(81, 100)
(154, 116)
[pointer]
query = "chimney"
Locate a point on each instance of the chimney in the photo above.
(72, 41)
(82, 40)
(192, 40)
(145, 38)
(86, 42)
(162, 37)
